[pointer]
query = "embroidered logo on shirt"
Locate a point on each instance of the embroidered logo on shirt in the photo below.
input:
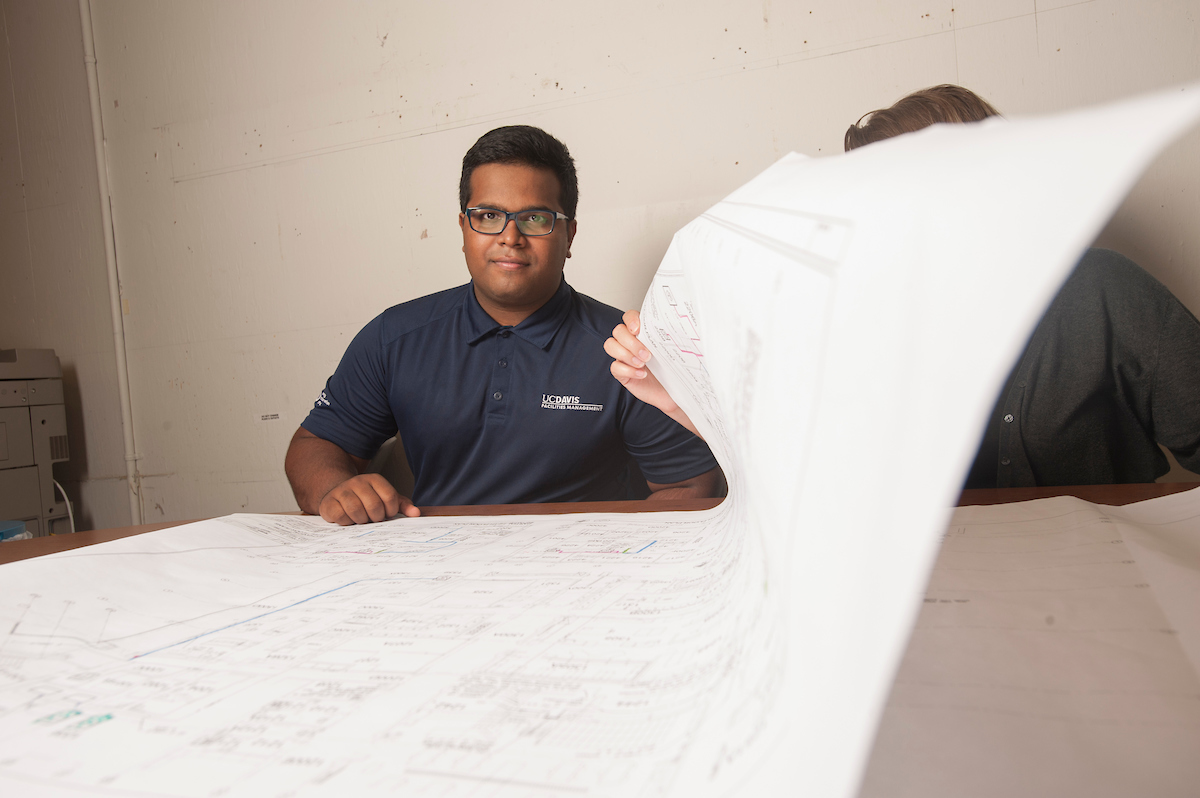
(323, 399)
(553, 401)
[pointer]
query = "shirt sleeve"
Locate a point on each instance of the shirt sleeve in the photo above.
(665, 451)
(1175, 395)
(354, 411)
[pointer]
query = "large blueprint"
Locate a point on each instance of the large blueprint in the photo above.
(836, 328)
(1057, 653)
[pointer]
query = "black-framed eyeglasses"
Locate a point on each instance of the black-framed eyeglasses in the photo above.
(492, 221)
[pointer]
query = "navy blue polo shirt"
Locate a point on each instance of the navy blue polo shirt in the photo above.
(496, 415)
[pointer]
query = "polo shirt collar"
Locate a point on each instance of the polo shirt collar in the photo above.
(539, 329)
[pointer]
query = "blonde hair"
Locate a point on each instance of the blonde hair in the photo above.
(944, 103)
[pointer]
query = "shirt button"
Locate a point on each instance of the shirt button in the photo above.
(497, 395)
(503, 364)
(505, 333)
(1006, 461)
(1008, 418)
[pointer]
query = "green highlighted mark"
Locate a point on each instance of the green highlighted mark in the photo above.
(94, 720)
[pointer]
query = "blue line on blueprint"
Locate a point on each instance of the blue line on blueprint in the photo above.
(643, 548)
(272, 612)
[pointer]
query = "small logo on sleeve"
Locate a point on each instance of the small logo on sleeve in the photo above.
(553, 401)
(323, 399)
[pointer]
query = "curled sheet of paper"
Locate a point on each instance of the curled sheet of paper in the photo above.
(836, 328)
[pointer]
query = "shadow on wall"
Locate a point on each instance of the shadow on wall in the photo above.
(71, 473)
(1177, 473)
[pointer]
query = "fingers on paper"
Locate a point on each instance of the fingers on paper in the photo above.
(625, 348)
(625, 366)
(365, 499)
(633, 320)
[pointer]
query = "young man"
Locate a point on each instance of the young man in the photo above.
(497, 388)
(1111, 371)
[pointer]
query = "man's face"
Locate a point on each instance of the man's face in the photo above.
(515, 274)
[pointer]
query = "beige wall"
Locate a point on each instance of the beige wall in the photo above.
(53, 284)
(282, 171)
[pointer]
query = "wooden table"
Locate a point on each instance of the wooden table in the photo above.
(1098, 494)
(895, 753)
(24, 549)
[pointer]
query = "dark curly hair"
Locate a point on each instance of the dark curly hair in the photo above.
(522, 144)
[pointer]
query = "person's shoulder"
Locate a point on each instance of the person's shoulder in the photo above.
(1106, 267)
(593, 316)
(1104, 272)
(400, 320)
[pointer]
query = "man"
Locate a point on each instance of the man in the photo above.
(1111, 371)
(497, 388)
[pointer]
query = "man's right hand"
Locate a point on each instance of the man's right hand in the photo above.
(365, 499)
(328, 482)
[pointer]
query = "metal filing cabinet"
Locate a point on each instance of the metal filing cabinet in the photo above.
(33, 435)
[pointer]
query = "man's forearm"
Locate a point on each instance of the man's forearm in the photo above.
(314, 467)
(702, 487)
(686, 492)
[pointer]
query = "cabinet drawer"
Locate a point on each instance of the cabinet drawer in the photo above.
(19, 494)
(16, 439)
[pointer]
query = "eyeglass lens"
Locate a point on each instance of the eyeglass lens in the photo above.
(530, 223)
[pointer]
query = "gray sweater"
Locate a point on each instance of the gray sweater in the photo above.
(1112, 369)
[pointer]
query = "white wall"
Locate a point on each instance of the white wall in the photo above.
(282, 171)
(53, 284)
